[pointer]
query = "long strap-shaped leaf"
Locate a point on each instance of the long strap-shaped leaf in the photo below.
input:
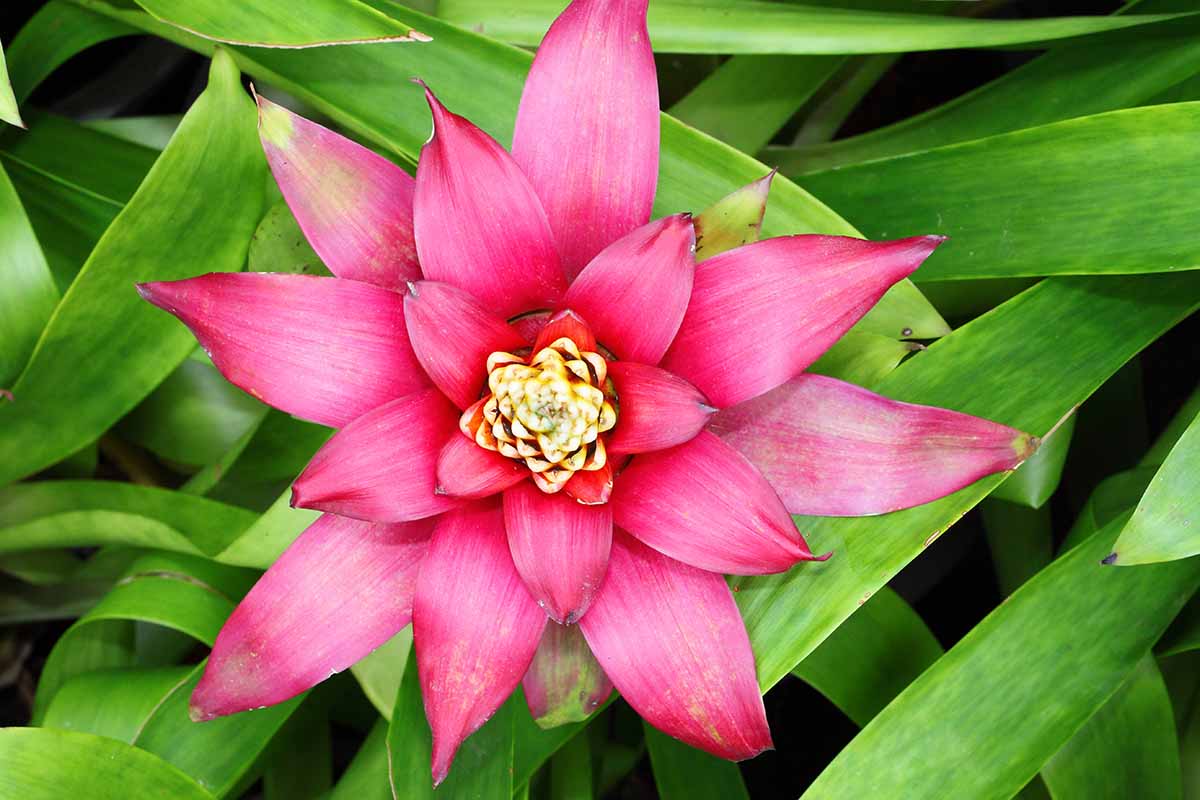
(1018, 685)
(104, 348)
(750, 26)
(1074, 197)
(1073, 79)
(27, 294)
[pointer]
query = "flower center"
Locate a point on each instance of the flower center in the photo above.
(548, 411)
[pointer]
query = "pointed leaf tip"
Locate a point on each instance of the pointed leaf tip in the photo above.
(275, 123)
(734, 220)
(198, 714)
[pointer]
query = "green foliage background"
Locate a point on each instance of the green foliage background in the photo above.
(1069, 186)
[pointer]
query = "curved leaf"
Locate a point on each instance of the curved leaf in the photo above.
(41, 764)
(1066, 198)
(1166, 524)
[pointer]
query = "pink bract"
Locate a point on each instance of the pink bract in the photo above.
(550, 415)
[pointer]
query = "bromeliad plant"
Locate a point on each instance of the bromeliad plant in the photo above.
(557, 417)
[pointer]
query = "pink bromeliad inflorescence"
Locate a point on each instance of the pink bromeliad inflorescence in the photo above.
(558, 431)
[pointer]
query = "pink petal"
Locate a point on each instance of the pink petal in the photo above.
(564, 683)
(479, 224)
(587, 128)
(325, 349)
(658, 409)
(560, 548)
(832, 448)
(671, 639)
(475, 627)
(762, 313)
(341, 590)
(355, 207)
(704, 504)
(464, 469)
(382, 466)
(452, 335)
(591, 487)
(634, 294)
(565, 323)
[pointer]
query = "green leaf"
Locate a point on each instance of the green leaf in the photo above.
(22, 603)
(129, 697)
(71, 200)
(482, 769)
(694, 170)
(746, 100)
(367, 776)
(1020, 538)
(275, 23)
(90, 513)
(54, 34)
(1034, 482)
(8, 101)
(1111, 498)
(68, 222)
(1075, 79)
(533, 745)
(114, 168)
(380, 672)
(27, 294)
(264, 541)
(299, 764)
(746, 26)
(150, 131)
(685, 773)
(1166, 524)
(187, 595)
(1025, 364)
(824, 116)
(1179, 423)
(968, 299)
(571, 771)
(1018, 685)
(1127, 749)
(193, 417)
(863, 358)
(871, 657)
(40, 764)
(280, 246)
(105, 348)
(221, 753)
(1066, 198)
